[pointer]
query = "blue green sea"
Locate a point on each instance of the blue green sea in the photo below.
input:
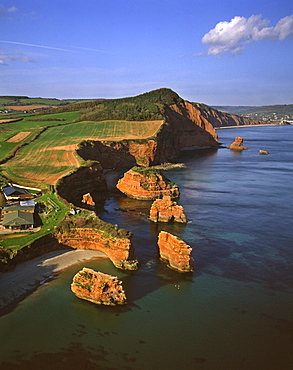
(234, 312)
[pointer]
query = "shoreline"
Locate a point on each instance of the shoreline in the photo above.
(26, 277)
(239, 126)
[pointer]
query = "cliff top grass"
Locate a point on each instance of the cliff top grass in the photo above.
(146, 171)
(88, 219)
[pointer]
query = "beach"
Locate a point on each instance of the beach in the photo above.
(28, 276)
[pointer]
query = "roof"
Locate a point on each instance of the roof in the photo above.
(14, 191)
(18, 218)
(18, 208)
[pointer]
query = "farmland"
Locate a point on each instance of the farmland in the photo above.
(52, 154)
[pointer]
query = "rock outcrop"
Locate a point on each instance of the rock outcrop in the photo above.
(175, 251)
(165, 210)
(101, 236)
(237, 144)
(98, 288)
(146, 184)
(87, 199)
(263, 152)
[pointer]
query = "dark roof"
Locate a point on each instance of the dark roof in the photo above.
(18, 218)
(14, 190)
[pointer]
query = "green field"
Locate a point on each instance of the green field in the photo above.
(52, 154)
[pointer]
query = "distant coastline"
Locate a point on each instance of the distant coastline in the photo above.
(263, 124)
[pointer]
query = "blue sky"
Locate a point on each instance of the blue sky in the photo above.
(213, 52)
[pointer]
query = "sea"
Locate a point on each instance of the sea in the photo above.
(235, 311)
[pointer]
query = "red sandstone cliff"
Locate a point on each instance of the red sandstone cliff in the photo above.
(165, 210)
(184, 127)
(98, 288)
(80, 234)
(175, 251)
(146, 184)
(222, 119)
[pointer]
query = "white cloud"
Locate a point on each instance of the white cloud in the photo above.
(232, 36)
(3, 10)
(12, 9)
(14, 56)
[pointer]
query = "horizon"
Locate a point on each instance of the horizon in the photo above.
(228, 54)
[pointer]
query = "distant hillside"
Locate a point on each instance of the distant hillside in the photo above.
(222, 119)
(11, 106)
(147, 106)
(268, 112)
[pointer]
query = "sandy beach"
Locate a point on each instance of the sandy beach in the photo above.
(26, 277)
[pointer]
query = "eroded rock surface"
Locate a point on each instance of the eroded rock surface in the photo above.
(165, 210)
(98, 288)
(238, 144)
(146, 184)
(175, 251)
(88, 199)
(101, 236)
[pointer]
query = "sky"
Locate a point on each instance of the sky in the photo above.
(214, 52)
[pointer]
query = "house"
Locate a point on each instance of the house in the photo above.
(18, 220)
(9, 209)
(16, 193)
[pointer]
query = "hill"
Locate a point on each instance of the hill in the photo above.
(147, 129)
(267, 112)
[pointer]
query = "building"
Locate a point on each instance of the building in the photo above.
(30, 209)
(18, 220)
(16, 193)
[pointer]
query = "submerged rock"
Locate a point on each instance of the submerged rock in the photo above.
(238, 144)
(165, 210)
(146, 183)
(98, 288)
(175, 251)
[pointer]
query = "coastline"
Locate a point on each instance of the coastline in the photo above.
(28, 276)
(239, 126)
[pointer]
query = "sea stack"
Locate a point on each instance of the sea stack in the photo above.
(237, 144)
(175, 251)
(165, 210)
(98, 288)
(146, 183)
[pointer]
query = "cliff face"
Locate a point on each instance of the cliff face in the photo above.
(147, 185)
(84, 180)
(165, 210)
(110, 154)
(184, 127)
(175, 251)
(90, 232)
(98, 288)
(222, 119)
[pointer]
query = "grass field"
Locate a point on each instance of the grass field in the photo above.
(42, 161)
